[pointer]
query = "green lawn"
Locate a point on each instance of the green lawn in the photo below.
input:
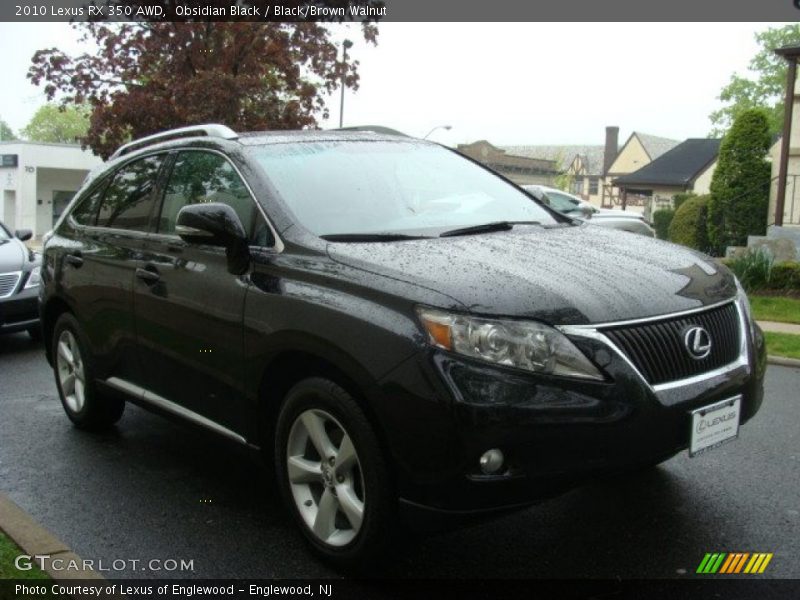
(8, 553)
(783, 344)
(775, 308)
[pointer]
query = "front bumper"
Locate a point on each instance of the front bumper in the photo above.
(446, 411)
(20, 311)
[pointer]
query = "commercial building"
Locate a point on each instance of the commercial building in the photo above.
(38, 180)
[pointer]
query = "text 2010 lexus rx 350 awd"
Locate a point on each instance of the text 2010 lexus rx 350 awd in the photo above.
(405, 331)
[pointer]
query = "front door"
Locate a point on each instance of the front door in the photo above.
(188, 303)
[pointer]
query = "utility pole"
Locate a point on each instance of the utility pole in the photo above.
(345, 45)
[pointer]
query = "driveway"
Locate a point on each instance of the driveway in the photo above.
(152, 489)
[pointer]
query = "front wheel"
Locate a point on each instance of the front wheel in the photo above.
(74, 371)
(333, 476)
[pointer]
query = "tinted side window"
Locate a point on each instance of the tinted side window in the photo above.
(129, 198)
(205, 177)
(85, 212)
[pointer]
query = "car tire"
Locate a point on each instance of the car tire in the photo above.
(326, 493)
(73, 366)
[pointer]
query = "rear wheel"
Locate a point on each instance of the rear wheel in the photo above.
(332, 475)
(74, 371)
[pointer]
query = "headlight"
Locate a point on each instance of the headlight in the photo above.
(34, 278)
(521, 344)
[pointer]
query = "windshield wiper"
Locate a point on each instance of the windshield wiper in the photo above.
(487, 227)
(371, 237)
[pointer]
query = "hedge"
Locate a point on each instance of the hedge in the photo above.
(757, 272)
(688, 226)
(661, 221)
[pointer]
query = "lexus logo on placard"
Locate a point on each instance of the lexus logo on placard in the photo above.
(697, 342)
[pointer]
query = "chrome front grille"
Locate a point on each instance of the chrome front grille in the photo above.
(8, 283)
(658, 348)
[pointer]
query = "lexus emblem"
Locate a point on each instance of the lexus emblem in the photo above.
(697, 342)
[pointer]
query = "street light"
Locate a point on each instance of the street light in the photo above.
(445, 127)
(345, 45)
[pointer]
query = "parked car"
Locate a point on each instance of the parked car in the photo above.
(577, 208)
(19, 283)
(405, 332)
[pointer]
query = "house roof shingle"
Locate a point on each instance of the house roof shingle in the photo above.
(592, 155)
(655, 146)
(676, 167)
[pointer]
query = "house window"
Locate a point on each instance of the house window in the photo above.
(593, 186)
(577, 185)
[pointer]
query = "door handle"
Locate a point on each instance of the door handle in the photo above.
(74, 259)
(148, 275)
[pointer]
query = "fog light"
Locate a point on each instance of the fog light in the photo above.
(491, 461)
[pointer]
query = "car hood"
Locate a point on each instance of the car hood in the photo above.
(613, 212)
(563, 275)
(12, 256)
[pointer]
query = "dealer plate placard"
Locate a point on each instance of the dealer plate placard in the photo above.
(714, 425)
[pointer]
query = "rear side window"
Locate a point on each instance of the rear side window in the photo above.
(205, 177)
(129, 198)
(85, 213)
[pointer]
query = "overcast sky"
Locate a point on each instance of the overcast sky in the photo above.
(509, 83)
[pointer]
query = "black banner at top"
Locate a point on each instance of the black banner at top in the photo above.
(399, 10)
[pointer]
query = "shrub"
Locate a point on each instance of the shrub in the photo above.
(688, 226)
(754, 269)
(785, 276)
(661, 220)
(740, 185)
(680, 198)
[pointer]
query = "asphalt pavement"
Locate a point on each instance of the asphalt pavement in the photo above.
(157, 490)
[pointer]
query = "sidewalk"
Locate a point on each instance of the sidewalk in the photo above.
(776, 327)
(35, 540)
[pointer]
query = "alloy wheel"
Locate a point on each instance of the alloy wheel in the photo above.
(325, 477)
(70, 371)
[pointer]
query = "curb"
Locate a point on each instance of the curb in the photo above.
(35, 540)
(783, 361)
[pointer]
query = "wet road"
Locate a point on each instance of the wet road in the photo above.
(153, 489)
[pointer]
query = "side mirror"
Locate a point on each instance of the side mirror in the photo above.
(211, 223)
(23, 234)
(587, 211)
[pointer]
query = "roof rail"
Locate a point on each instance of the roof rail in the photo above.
(209, 130)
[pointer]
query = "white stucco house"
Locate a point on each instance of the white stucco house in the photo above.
(38, 180)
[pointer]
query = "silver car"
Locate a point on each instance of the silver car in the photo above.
(575, 207)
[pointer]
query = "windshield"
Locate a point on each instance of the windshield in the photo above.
(562, 202)
(340, 187)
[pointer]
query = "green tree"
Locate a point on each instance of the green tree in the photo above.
(763, 88)
(564, 179)
(58, 124)
(6, 133)
(740, 185)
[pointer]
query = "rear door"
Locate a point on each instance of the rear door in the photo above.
(189, 305)
(109, 228)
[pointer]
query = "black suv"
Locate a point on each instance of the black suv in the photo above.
(19, 283)
(404, 331)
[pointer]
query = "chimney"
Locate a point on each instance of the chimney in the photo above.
(612, 147)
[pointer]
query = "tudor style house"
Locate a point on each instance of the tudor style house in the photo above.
(688, 167)
(594, 168)
(783, 218)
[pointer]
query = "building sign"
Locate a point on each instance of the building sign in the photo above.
(9, 160)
